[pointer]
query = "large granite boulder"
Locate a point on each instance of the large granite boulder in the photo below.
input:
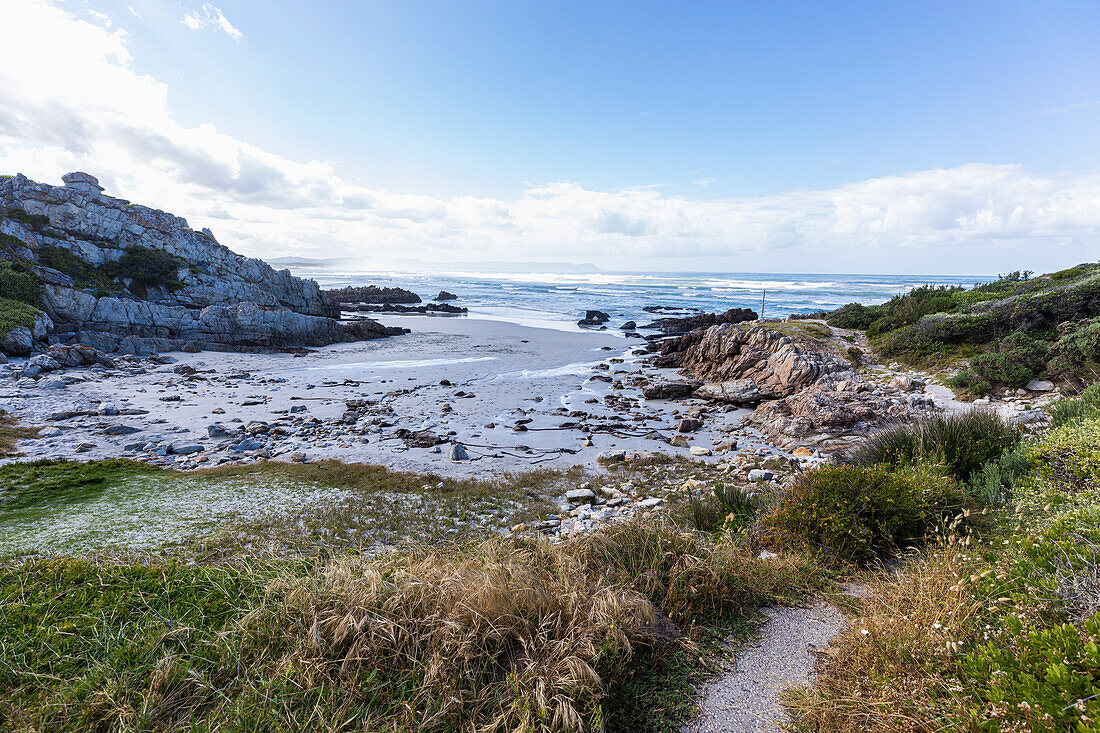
(776, 363)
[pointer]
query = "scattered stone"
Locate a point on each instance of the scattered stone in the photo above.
(698, 450)
(688, 425)
(580, 496)
(457, 452)
(121, 430)
(1040, 385)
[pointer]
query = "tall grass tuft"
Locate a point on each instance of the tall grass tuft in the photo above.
(962, 443)
(724, 505)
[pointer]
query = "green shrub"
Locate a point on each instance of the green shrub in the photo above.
(14, 314)
(146, 267)
(1075, 356)
(17, 282)
(907, 309)
(962, 443)
(1011, 362)
(994, 484)
(857, 514)
(83, 274)
(1070, 274)
(854, 315)
(1085, 406)
(969, 384)
(1042, 678)
(35, 221)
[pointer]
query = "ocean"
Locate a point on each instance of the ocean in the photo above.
(552, 300)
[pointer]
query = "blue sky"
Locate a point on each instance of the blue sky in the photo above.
(480, 98)
(663, 130)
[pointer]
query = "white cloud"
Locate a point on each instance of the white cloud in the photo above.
(211, 16)
(83, 107)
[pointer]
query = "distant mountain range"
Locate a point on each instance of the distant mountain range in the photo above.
(337, 263)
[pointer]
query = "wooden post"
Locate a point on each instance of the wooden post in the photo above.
(763, 295)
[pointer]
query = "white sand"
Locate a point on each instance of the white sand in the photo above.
(507, 367)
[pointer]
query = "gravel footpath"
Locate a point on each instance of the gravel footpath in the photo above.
(746, 699)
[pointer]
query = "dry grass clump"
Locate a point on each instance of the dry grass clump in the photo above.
(10, 432)
(887, 671)
(515, 635)
(497, 635)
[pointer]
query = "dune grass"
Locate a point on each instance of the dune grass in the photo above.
(492, 635)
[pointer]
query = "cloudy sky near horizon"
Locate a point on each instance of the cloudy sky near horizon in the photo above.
(759, 137)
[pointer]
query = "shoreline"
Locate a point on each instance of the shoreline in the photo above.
(515, 396)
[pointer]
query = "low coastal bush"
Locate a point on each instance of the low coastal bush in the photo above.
(146, 267)
(854, 315)
(17, 282)
(962, 443)
(14, 314)
(1075, 356)
(501, 635)
(857, 514)
(724, 506)
(1011, 362)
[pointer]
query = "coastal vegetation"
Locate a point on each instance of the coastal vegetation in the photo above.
(985, 632)
(1001, 334)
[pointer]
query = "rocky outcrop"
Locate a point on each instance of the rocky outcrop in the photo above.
(594, 318)
(122, 277)
(777, 365)
(675, 326)
(372, 294)
(829, 416)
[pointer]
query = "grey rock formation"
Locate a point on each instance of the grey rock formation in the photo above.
(772, 360)
(216, 299)
(829, 416)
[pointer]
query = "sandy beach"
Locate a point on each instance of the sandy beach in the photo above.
(515, 396)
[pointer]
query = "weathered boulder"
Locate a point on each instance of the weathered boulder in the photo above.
(444, 295)
(776, 363)
(17, 342)
(823, 418)
(736, 391)
(670, 390)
